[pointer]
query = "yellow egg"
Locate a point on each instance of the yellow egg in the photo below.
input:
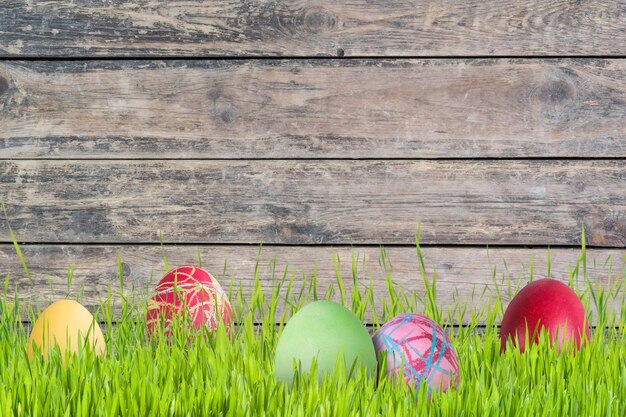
(65, 322)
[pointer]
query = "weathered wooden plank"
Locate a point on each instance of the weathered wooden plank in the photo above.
(460, 272)
(308, 28)
(528, 202)
(313, 109)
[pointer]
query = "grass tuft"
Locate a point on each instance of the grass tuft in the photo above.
(217, 374)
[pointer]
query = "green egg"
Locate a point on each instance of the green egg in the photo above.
(325, 331)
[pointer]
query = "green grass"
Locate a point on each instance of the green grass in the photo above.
(215, 375)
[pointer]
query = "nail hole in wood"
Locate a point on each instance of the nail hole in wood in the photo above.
(4, 85)
(228, 116)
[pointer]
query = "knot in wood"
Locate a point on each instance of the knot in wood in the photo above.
(556, 92)
(125, 269)
(317, 20)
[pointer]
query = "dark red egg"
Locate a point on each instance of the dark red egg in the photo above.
(545, 305)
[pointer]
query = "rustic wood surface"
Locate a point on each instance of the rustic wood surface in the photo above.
(530, 202)
(460, 272)
(489, 122)
(313, 109)
(308, 28)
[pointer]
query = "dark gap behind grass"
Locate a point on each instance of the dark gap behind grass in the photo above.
(311, 245)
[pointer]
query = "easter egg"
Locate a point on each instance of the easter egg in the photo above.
(192, 291)
(324, 331)
(418, 350)
(545, 305)
(67, 324)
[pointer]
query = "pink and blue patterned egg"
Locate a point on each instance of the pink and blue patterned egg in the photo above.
(419, 350)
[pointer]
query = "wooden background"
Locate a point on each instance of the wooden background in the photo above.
(320, 128)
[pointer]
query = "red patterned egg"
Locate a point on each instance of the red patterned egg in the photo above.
(418, 350)
(192, 290)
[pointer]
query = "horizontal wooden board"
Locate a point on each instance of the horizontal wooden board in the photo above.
(313, 109)
(316, 202)
(464, 275)
(309, 28)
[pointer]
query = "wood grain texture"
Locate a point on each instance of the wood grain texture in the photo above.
(84, 28)
(460, 272)
(313, 109)
(316, 202)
